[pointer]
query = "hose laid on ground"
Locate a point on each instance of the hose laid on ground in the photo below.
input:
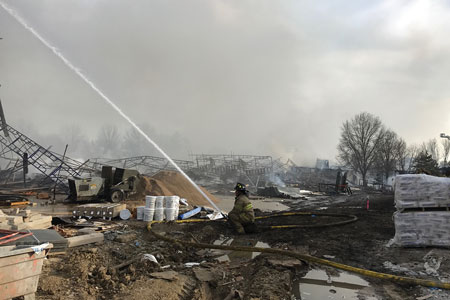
(304, 257)
(351, 219)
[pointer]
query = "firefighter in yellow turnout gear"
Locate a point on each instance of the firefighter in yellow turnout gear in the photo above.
(242, 217)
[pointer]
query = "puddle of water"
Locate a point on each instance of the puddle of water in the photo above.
(237, 255)
(317, 284)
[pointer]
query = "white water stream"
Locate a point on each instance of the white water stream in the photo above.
(102, 95)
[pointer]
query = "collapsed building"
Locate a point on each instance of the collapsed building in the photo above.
(19, 153)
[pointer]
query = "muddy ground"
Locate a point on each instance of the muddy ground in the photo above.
(117, 269)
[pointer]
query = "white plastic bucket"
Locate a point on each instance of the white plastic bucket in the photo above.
(172, 201)
(125, 214)
(150, 202)
(140, 212)
(148, 214)
(159, 214)
(159, 203)
(170, 213)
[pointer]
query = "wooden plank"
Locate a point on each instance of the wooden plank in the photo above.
(14, 220)
(19, 203)
(6, 226)
(32, 218)
(42, 223)
(75, 241)
(24, 213)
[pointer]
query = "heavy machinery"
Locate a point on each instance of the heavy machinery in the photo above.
(114, 185)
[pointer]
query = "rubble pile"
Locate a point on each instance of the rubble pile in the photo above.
(422, 217)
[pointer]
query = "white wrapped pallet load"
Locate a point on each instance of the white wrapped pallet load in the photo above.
(420, 190)
(428, 228)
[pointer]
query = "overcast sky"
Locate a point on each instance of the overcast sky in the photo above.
(250, 77)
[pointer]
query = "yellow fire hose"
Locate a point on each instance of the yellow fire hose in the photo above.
(351, 219)
(303, 257)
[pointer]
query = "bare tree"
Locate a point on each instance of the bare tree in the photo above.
(108, 141)
(73, 135)
(386, 153)
(446, 147)
(412, 152)
(135, 144)
(401, 154)
(360, 139)
(432, 148)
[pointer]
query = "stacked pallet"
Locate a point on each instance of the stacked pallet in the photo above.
(98, 210)
(422, 217)
(15, 219)
(420, 190)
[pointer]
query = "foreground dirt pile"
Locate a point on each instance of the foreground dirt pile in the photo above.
(118, 269)
(170, 183)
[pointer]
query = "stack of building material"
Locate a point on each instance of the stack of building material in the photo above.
(422, 217)
(16, 219)
(420, 190)
(99, 210)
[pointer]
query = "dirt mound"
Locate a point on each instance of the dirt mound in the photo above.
(171, 183)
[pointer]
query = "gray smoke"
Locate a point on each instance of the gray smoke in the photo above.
(275, 78)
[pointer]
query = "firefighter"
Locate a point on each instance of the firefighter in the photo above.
(242, 217)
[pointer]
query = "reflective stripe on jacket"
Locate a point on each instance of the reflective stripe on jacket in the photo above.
(243, 208)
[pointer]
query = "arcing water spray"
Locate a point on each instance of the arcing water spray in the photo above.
(102, 95)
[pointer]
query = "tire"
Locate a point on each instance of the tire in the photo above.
(117, 196)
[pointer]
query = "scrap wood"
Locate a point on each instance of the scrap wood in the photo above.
(18, 203)
(233, 294)
(424, 297)
(13, 199)
(80, 240)
(7, 236)
(125, 264)
(204, 275)
(27, 190)
(167, 275)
